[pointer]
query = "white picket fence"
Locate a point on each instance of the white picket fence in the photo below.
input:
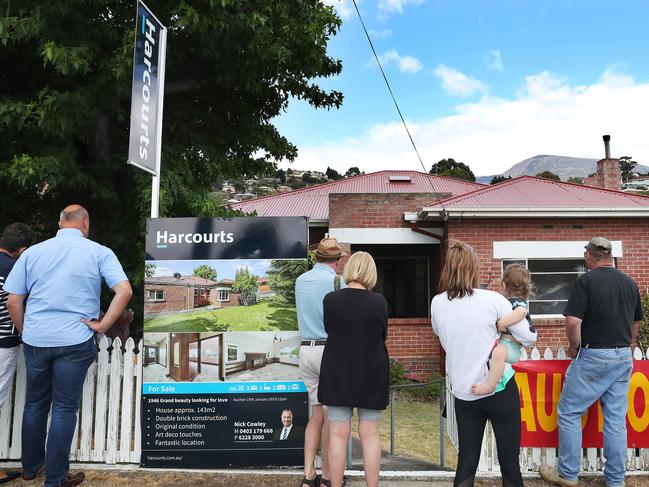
(532, 458)
(108, 426)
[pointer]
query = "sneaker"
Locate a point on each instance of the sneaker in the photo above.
(550, 474)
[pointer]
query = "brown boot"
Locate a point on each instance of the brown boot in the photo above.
(550, 474)
(74, 479)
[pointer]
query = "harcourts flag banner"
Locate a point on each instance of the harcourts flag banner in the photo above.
(540, 383)
(220, 381)
(147, 92)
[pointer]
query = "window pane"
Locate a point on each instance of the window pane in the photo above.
(549, 265)
(548, 286)
(404, 284)
(547, 307)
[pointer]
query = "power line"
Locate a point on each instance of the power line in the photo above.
(394, 100)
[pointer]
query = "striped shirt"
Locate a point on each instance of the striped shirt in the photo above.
(9, 336)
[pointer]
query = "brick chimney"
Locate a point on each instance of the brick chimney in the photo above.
(608, 174)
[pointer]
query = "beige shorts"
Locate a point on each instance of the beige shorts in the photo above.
(310, 359)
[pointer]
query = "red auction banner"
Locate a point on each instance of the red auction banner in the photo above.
(540, 382)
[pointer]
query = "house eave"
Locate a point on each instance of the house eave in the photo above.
(435, 212)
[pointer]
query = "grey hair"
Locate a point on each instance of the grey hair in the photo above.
(76, 215)
(597, 256)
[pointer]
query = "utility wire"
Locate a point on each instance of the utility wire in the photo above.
(394, 100)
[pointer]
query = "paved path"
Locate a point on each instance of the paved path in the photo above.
(129, 476)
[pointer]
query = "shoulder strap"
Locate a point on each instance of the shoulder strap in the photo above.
(337, 283)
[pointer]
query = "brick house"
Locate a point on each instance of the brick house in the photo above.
(405, 219)
(176, 293)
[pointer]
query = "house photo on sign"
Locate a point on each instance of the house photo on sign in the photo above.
(221, 342)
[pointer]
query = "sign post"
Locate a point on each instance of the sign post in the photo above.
(145, 140)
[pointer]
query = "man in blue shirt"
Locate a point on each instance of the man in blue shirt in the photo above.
(15, 239)
(60, 281)
(310, 289)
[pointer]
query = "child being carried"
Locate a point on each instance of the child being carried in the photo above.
(516, 286)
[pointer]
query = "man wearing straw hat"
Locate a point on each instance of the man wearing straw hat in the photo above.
(310, 289)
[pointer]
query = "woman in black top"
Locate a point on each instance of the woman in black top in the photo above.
(354, 371)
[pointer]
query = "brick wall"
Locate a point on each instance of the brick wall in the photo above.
(411, 342)
(175, 298)
(371, 210)
(634, 233)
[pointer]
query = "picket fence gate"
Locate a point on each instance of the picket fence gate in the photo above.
(108, 421)
(532, 458)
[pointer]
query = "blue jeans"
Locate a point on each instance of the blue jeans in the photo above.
(55, 377)
(595, 374)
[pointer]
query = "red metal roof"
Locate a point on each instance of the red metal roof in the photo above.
(533, 192)
(314, 201)
(183, 280)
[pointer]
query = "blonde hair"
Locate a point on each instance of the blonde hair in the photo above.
(517, 281)
(360, 268)
(460, 275)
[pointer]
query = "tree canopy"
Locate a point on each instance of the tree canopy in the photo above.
(452, 169)
(245, 284)
(548, 175)
(206, 272)
(232, 67)
(353, 171)
(282, 275)
(499, 178)
(332, 174)
(576, 180)
(627, 165)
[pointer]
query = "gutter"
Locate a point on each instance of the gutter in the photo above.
(434, 213)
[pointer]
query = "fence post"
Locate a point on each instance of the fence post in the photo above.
(391, 421)
(442, 433)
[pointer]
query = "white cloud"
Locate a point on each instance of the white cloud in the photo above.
(546, 116)
(380, 34)
(344, 8)
(387, 7)
(161, 271)
(407, 64)
(456, 83)
(494, 60)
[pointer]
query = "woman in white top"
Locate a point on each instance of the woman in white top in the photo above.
(464, 317)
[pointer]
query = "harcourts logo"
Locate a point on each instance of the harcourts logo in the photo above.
(165, 238)
(148, 29)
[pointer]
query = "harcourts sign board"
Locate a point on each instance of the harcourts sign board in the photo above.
(220, 379)
(147, 91)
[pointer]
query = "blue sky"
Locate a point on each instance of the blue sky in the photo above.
(486, 82)
(225, 269)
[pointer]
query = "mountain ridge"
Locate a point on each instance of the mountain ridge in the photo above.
(563, 166)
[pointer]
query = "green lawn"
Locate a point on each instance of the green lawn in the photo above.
(268, 316)
(416, 432)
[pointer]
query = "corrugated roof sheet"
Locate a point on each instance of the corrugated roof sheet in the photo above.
(533, 192)
(185, 280)
(314, 201)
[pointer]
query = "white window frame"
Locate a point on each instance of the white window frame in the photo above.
(155, 298)
(227, 295)
(540, 316)
(546, 250)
